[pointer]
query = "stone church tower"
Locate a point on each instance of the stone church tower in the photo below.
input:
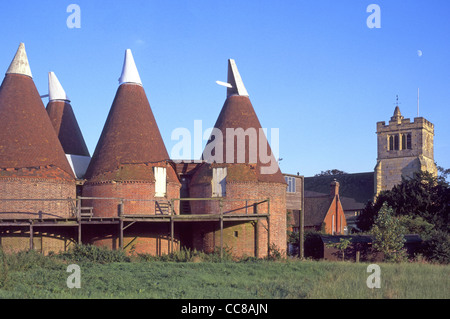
(403, 148)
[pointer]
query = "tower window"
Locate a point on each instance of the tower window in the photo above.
(391, 143)
(403, 141)
(396, 142)
(408, 141)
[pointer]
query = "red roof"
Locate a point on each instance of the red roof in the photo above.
(238, 112)
(130, 134)
(27, 137)
(67, 129)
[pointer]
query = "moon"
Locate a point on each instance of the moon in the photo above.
(419, 53)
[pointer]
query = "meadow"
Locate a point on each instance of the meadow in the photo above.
(30, 275)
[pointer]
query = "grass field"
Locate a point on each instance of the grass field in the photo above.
(45, 278)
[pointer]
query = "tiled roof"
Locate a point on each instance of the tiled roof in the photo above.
(66, 127)
(130, 134)
(27, 137)
(238, 113)
(316, 208)
(359, 186)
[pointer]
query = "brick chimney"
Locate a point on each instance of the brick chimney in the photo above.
(334, 188)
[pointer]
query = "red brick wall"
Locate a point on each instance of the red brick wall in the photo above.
(206, 236)
(337, 211)
(138, 197)
(36, 188)
(45, 239)
(142, 238)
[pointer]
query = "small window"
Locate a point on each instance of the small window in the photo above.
(403, 141)
(396, 142)
(219, 182)
(290, 181)
(391, 143)
(160, 181)
(408, 141)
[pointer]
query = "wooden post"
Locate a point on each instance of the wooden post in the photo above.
(79, 220)
(268, 235)
(358, 254)
(301, 224)
(256, 238)
(121, 211)
(221, 230)
(31, 236)
(301, 234)
(171, 233)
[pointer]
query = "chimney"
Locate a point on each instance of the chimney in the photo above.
(334, 188)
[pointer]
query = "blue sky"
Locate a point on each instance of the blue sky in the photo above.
(313, 69)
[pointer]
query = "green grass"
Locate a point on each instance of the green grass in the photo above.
(46, 277)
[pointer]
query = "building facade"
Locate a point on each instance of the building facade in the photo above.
(403, 148)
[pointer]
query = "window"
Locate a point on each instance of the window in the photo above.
(408, 141)
(291, 187)
(160, 181)
(219, 182)
(391, 143)
(396, 142)
(403, 141)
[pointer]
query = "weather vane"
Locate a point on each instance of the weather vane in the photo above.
(397, 102)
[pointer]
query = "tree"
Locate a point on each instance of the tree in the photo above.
(389, 235)
(342, 245)
(331, 172)
(425, 196)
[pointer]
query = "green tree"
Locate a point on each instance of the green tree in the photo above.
(331, 172)
(425, 196)
(342, 245)
(388, 235)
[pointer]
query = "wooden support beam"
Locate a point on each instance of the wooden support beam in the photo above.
(171, 233)
(221, 237)
(256, 238)
(121, 211)
(31, 237)
(221, 229)
(268, 235)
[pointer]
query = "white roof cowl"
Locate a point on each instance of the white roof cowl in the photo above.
(55, 89)
(130, 73)
(234, 78)
(234, 84)
(19, 64)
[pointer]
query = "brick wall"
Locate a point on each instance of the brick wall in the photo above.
(138, 198)
(142, 238)
(30, 189)
(240, 237)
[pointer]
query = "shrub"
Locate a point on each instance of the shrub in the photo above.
(29, 259)
(90, 253)
(437, 247)
(389, 235)
(3, 269)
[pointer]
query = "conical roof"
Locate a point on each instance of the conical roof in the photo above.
(63, 119)
(238, 116)
(130, 134)
(27, 137)
(397, 117)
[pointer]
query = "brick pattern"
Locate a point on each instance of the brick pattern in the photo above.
(30, 189)
(139, 198)
(207, 235)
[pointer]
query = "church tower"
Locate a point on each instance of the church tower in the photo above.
(403, 149)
